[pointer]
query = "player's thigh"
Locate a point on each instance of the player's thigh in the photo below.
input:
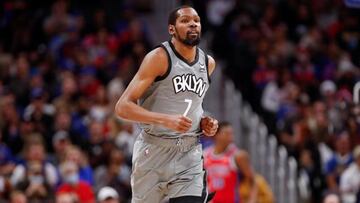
(145, 181)
(155, 194)
(190, 175)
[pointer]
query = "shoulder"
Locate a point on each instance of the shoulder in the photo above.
(20, 168)
(211, 60)
(158, 54)
(155, 62)
(351, 170)
(211, 64)
(348, 176)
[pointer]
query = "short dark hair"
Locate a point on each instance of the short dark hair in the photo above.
(174, 14)
(223, 124)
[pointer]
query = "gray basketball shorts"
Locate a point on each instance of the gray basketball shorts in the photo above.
(167, 168)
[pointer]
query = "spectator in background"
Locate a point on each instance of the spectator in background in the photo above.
(332, 198)
(353, 124)
(273, 96)
(115, 174)
(350, 180)
(263, 73)
(64, 122)
(108, 195)
(18, 197)
(100, 19)
(35, 186)
(88, 82)
(295, 135)
(59, 20)
(35, 154)
(311, 181)
(66, 198)
(97, 144)
(66, 101)
(100, 110)
(303, 70)
(101, 47)
(124, 136)
(41, 114)
(216, 11)
(80, 122)
(115, 88)
(340, 160)
(253, 186)
(61, 142)
(19, 83)
(71, 183)
(10, 124)
(76, 155)
(7, 165)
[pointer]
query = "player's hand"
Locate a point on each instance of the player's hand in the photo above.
(178, 123)
(209, 125)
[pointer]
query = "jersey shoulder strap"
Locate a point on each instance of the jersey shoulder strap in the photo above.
(167, 49)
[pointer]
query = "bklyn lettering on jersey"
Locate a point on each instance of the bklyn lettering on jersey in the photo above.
(189, 82)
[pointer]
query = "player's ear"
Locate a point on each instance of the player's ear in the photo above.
(171, 29)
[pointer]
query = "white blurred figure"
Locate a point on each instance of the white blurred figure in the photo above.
(66, 198)
(217, 10)
(331, 198)
(108, 195)
(100, 109)
(125, 139)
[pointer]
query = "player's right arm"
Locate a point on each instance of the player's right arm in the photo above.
(154, 64)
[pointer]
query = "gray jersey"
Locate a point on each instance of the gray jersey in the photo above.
(180, 91)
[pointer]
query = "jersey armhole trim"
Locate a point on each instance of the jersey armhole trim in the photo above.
(159, 78)
(207, 66)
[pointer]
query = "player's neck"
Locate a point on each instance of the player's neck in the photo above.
(188, 52)
(219, 149)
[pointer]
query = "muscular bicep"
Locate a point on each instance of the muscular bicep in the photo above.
(153, 66)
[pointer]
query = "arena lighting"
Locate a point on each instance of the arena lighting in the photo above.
(356, 93)
(352, 3)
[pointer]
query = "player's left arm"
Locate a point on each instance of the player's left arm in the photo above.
(243, 163)
(208, 124)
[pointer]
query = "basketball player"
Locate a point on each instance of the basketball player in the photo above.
(221, 165)
(165, 97)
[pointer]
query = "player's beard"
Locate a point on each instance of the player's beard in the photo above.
(188, 40)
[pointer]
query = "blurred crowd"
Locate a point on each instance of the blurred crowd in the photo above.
(64, 64)
(297, 62)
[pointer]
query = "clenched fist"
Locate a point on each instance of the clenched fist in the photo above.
(178, 123)
(209, 125)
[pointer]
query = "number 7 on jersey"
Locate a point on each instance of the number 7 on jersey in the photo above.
(189, 102)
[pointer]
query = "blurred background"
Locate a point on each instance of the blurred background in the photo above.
(285, 79)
